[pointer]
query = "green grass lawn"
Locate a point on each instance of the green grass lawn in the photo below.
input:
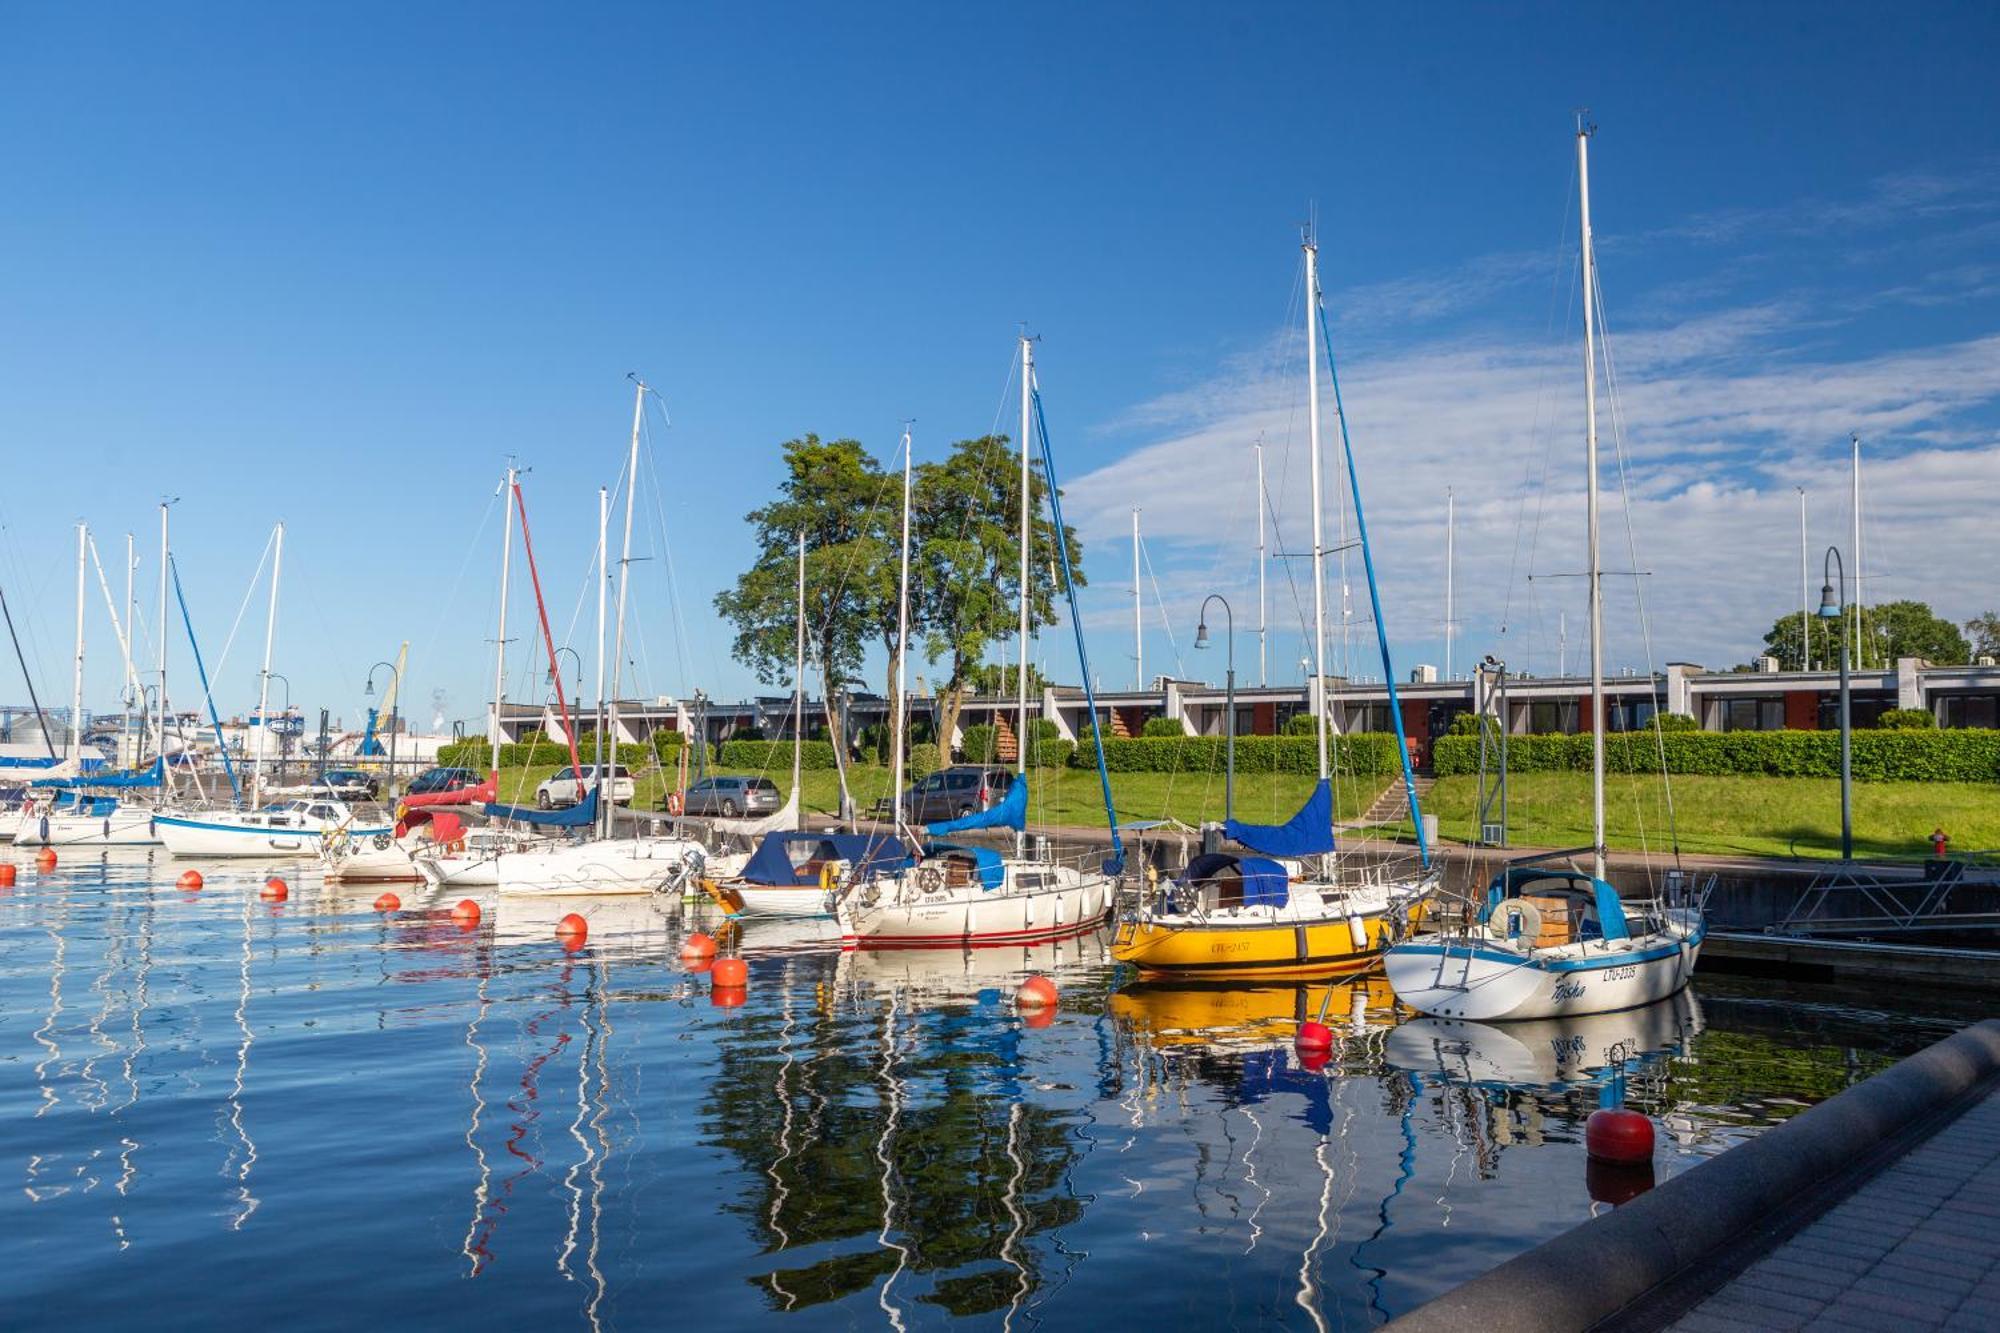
(1753, 816)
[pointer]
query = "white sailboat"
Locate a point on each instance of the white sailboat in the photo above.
(1549, 941)
(957, 896)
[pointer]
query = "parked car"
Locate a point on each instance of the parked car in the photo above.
(348, 784)
(730, 797)
(444, 779)
(953, 793)
(563, 788)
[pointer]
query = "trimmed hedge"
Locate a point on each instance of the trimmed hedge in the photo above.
(1157, 727)
(769, 756)
(477, 753)
(924, 759)
(1365, 754)
(1050, 752)
(1906, 719)
(1879, 756)
(980, 744)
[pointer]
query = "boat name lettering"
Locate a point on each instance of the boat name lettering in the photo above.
(1569, 990)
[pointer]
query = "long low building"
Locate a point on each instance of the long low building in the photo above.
(1763, 700)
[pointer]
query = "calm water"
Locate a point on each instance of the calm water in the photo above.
(218, 1112)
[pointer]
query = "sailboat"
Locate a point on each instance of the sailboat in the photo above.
(1548, 940)
(282, 829)
(955, 895)
(1286, 910)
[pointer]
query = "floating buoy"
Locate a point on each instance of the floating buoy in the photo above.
(1314, 1037)
(697, 945)
(730, 973)
(573, 927)
(190, 879)
(1618, 1136)
(1039, 1018)
(1312, 1059)
(46, 858)
(698, 965)
(275, 890)
(728, 997)
(466, 912)
(388, 902)
(1616, 1183)
(1037, 993)
(6, 874)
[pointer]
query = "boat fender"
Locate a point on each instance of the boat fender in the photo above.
(1357, 930)
(829, 877)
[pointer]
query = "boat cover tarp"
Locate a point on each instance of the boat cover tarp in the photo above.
(488, 790)
(987, 866)
(1010, 811)
(772, 863)
(581, 815)
(1611, 921)
(1265, 883)
(76, 803)
(145, 777)
(1307, 833)
(785, 816)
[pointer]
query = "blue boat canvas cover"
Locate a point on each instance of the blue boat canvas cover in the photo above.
(1307, 833)
(1010, 811)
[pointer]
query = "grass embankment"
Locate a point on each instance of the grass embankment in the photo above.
(1731, 816)
(1057, 796)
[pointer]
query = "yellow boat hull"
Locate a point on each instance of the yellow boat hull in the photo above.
(1304, 950)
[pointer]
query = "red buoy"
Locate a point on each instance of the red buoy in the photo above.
(275, 890)
(728, 997)
(730, 973)
(1314, 1037)
(573, 927)
(697, 965)
(1037, 992)
(466, 912)
(1618, 1136)
(1616, 1183)
(6, 874)
(46, 858)
(190, 879)
(388, 902)
(1312, 1059)
(697, 945)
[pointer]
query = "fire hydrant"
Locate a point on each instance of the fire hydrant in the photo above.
(1940, 844)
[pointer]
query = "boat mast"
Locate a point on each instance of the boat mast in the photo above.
(1595, 575)
(1138, 614)
(1263, 563)
(799, 689)
(603, 585)
(902, 644)
(76, 684)
(264, 684)
(500, 642)
(1027, 520)
(161, 628)
(604, 793)
(1805, 609)
(131, 678)
(1450, 550)
(1317, 695)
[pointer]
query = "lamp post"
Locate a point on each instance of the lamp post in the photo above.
(1831, 609)
(1229, 695)
(396, 678)
(576, 709)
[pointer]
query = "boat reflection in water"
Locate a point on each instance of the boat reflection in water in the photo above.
(1547, 1053)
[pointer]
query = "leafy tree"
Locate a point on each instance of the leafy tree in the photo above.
(968, 561)
(1888, 631)
(999, 678)
(1984, 631)
(1906, 719)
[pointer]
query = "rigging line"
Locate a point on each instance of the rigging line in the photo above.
(222, 662)
(429, 643)
(676, 606)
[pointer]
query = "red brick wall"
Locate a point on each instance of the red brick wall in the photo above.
(1263, 719)
(1801, 710)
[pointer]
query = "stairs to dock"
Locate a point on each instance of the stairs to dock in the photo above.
(1392, 805)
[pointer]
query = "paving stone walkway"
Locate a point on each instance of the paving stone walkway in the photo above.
(1916, 1247)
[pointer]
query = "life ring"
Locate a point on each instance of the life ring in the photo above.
(1515, 919)
(457, 844)
(675, 804)
(829, 877)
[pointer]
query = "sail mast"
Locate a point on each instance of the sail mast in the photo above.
(603, 585)
(131, 676)
(902, 644)
(500, 640)
(1263, 564)
(799, 689)
(161, 628)
(1027, 511)
(1317, 695)
(604, 794)
(1596, 574)
(264, 686)
(76, 686)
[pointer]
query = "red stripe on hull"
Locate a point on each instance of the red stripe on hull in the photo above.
(851, 942)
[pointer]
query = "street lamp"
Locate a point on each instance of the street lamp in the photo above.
(1832, 609)
(1229, 706)
(576, 712)
(396, 679)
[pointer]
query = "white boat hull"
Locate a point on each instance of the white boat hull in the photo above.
(773, 900)
(903, 917)
(121, 828)
(598, 867)
(221, 835)
(1488, 983)
(380, 859)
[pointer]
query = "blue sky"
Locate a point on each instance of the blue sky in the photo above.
(334, 264)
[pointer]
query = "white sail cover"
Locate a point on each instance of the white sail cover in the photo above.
(784, 817)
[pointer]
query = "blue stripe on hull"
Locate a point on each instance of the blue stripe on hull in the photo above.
(1599, 964)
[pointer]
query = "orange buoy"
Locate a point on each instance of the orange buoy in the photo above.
(730, 973)
(388, 902)
(697, 945)
(1314, 1037)
(466, 912)
(275, 890)
(190, 879)
(698, 965)
(1037, 993)
(46, 858)
(1619, 1136)
(573, 927)
(6, 874)
(728, 997)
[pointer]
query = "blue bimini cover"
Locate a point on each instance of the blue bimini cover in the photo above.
(987, 866)
(1307, 833)
(1265, 883)
(1010, 811)
(581, 815)
(777, 860)
(145, 777)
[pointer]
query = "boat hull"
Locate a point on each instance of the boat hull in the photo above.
(1477, 981)
(120, 828)
(1298, 950)
(974, 919)
(774, 900)
(596, 868)
(185, 836)
(381, 859)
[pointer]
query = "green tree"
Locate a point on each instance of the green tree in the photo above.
(968, 562)
(1984, 631)
(1889, 631)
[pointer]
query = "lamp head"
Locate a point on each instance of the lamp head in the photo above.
(369, 688)
(1829, 609)
(1201, 634)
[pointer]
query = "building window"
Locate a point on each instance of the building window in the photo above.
(1867, 711)
(1553, 717)
(1246, 719)
(1969, 710)
(1369, 717)
(1753, 714)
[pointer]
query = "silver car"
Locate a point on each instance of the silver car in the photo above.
(730, 797)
